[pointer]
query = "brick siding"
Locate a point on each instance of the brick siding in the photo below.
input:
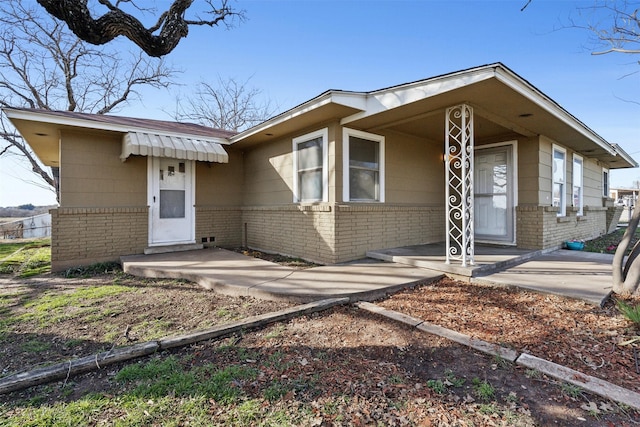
(82, 236)
(540, 227)
(224, 224)
(337, 233)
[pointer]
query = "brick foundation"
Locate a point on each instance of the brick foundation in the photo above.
(540, 227)
(82, 236)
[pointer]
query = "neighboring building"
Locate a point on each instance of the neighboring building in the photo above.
(478, 155)
(627, 198)
(36, 226)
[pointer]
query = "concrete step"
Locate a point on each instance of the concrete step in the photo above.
(485, 264)
(172, 248)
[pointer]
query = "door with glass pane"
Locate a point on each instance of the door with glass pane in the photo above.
(493, 194)
(171, 201)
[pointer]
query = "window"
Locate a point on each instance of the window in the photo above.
(559, 179)
(577, 183)
(310, 180)
(363, 177)
(605, 182)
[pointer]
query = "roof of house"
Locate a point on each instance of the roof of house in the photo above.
(111, 122)
(187, 140)
(504, 105)
(502, 101)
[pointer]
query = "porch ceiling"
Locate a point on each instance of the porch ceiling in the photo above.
(499, 111)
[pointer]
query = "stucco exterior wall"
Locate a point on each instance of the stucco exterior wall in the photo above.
(593, 192)
(414, 170)
(92, 174)
(268, 174)
(528, 171)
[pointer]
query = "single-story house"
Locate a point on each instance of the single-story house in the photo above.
(478, 155)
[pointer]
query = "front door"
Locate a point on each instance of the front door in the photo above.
(171, 200)
(493, 194)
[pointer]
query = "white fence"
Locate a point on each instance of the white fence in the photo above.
(27, 228)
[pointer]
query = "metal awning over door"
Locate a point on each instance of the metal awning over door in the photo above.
(175, 147)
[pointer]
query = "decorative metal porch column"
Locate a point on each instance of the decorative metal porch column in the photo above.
(458, 157)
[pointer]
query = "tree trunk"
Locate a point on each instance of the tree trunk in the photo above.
(626, 276)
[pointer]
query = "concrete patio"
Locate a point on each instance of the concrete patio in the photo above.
(581, 275)
(232, 273)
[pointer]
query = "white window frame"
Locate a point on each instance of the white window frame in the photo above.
(563, 192)
(605, 182)
(346, 133)
(324, 135)
(578, 159)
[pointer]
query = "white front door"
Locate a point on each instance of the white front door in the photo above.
(171, 193)
(493, 187)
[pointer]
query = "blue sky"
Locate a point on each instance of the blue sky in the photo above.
(294, 50)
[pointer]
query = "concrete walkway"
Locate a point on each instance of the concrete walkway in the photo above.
(582, 275)
(231, 273)
(575, 274)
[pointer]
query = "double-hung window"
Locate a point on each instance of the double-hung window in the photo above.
(605, 182)
(310, 180)
(559, 179)
(363, 165)
(577, 183)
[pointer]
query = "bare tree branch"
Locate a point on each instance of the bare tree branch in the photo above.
(525, 6)
(43, 65)
(172, 24)
(228, 104)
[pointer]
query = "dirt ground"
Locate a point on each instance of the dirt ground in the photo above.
(373, 362)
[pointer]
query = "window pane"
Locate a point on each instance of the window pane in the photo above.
(310, 154)
(172, 204)
(311, 185)
(363, 184)
(577, 173)
(363, 153)
(558, 166)
(577, 192)
(558, 190)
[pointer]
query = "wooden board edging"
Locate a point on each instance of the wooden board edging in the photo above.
(73, 367)
(591, 384)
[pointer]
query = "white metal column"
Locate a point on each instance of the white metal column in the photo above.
(458, 159)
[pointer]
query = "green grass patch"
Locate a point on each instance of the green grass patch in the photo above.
(483, 390)
(55, 306)
(162, 377)
(629, 311)
(35, 346)
(25, 259)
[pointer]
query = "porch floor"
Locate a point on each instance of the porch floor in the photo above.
(487, 260)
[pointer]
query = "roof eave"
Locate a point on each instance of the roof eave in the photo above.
(43, 117)
(515, 82)
(354, 100)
